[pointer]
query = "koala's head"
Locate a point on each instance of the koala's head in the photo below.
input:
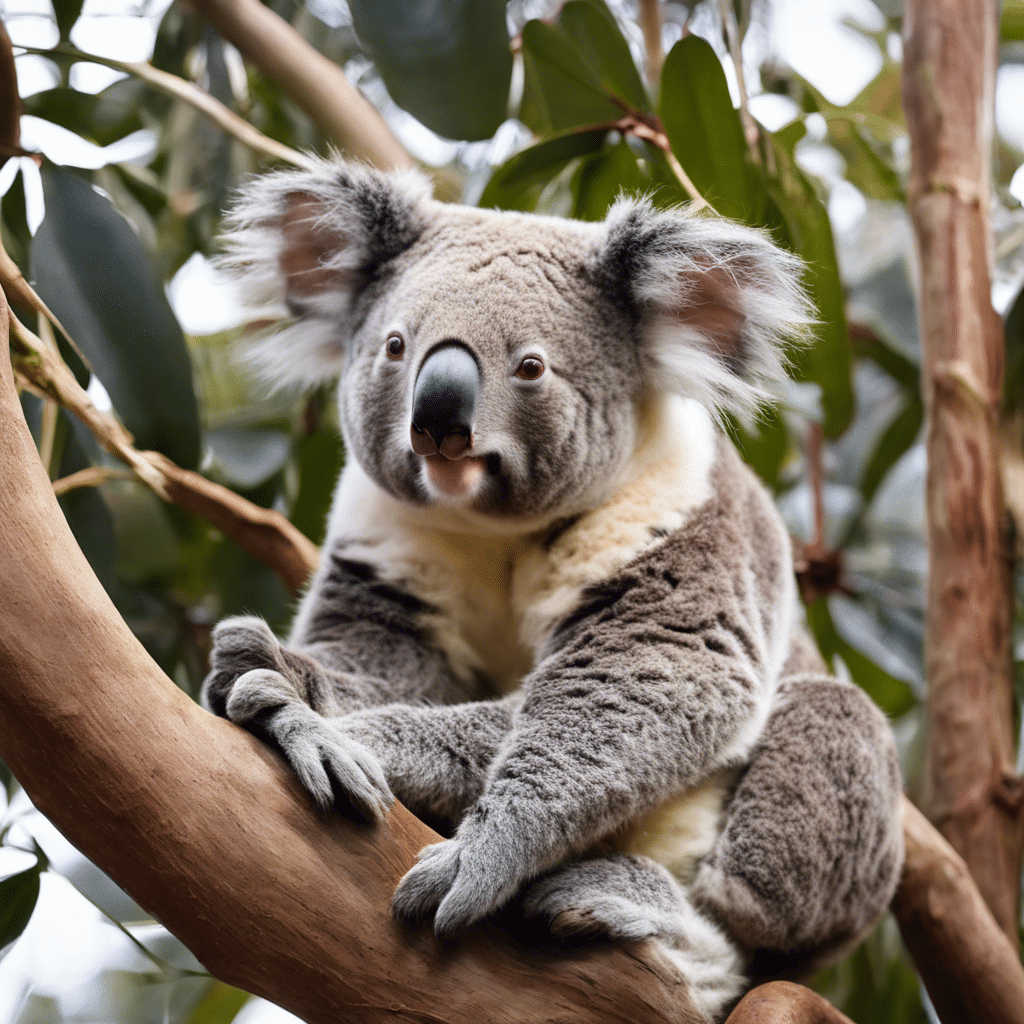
(502, 362)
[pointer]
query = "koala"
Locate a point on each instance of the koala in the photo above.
(555, 614)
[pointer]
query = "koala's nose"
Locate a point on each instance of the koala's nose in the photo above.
(444, 402)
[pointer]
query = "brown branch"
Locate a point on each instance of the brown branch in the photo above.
(315, 83)
(264, 533)
(188, 92)
(207, 830)
(782, 1002)
(649, 13)
(968, 965)
(950, 54)
(91, 476)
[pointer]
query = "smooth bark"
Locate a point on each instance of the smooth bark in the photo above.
(970, 791)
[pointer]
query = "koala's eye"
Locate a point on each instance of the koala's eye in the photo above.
(530, 368)
(395, 346)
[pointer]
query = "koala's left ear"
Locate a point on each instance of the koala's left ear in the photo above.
(306, 243)
(715, 302)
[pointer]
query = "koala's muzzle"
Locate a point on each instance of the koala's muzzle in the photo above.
(444, 402)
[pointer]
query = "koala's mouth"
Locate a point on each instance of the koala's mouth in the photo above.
(456, 478)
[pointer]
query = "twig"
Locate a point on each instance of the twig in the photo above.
(190, 93)
(265, 534)
(651, 130)
(817, 474)
(733, 38)
(650, 25)
(91, 476)
(315, 83)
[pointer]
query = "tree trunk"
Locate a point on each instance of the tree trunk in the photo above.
(970, 793)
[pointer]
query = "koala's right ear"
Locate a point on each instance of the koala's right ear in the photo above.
(305, 243)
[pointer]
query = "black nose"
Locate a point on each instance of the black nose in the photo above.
(444, 402)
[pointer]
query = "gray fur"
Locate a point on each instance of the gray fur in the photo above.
(605, 561)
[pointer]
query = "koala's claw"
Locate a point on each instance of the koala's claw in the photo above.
(456, 884)
(331, 766)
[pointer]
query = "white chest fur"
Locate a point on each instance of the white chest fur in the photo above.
(499, 594)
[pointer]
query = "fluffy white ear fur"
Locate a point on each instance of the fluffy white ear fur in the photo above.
(300, 244)
(716, 302)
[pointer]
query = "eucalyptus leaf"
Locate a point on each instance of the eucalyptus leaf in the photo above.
(18, 896)
(516, 184)
(703, 128)
(248, 456)
(447, 62)
(808, 232)
(894, 696)
(560, 89)
(601, 178)
(320, 458)
(92, 270)
(66, 13)
(894, 443)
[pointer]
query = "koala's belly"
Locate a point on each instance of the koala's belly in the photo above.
(681, 831)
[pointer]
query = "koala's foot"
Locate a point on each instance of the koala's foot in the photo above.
(631, 898)
(240, 644)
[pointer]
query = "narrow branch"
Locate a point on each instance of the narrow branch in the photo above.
(171, 85)
(315, 83)
(264, 533)
(650, 25)
(732, 36)
(91, 476)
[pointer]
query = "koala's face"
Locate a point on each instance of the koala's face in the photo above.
(501, 362)
(491, 370)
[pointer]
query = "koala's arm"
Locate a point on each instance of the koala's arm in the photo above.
(664, 674)
(360, 643)
(436, 759)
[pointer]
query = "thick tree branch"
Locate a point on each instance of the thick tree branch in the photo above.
(782, 1002)
(207, 831)
(948, 85)
(315, 83)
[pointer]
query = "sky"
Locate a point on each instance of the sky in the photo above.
(68, 942)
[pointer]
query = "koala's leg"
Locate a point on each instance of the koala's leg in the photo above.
(630, 897)
(436, 759)
(813, 844)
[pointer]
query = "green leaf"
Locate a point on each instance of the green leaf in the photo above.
(600, 179)
(92, 270)
(447, 62)
(320, 459)
(18, 896)
(220, 1005)
(593, 31)
(892, 695)
(865, 167)
(559, 90)
(66, 12)
(516, 184)
(766, 447)
(102, 118)
(807, 231)
(703, 128)
(894, 443)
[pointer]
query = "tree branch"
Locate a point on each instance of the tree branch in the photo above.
(950, 52)
(782, 1002)
(649, 12)
(264, 533)
(315, 83)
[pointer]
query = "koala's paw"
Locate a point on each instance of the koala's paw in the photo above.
(242, 643)
(456, 882)
(616, 897)
(334, 768)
